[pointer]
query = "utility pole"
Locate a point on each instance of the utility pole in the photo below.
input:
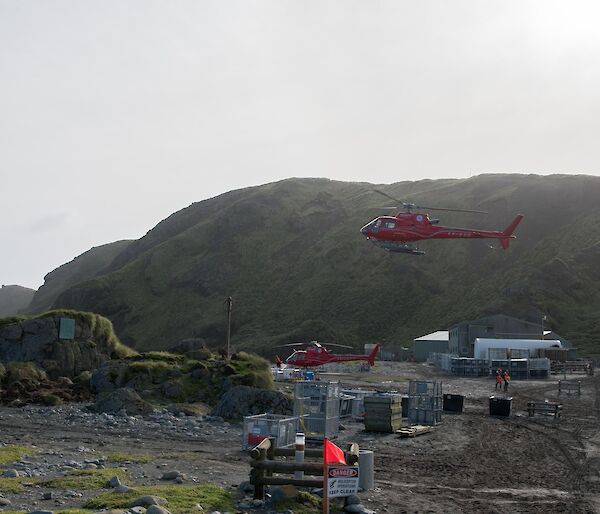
(229, 306)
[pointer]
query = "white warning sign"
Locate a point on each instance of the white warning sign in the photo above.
(342, 481)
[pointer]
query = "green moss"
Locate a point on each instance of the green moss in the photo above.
(50, 399)
(163, 356)
(85, 479)
(16, 371)
(251, 370)
(157, 371)
(11, 320)
(10, 485)
(181, 498)
(12, 453)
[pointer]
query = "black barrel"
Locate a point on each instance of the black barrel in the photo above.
(500, 406)
(453, 402)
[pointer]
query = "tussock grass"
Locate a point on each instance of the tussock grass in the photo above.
(13, 453)
(84, 479)
(181, 498)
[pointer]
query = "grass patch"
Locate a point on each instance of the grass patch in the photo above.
(181, 498)
(11, 320)
(10, 485)
(163, 356)
(13, 453)
(84, 479)
(252, 370)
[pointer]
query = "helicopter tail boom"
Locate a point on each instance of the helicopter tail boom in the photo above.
(507, 234)
(373, 354)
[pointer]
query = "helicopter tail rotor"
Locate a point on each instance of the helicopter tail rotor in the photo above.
(507, 234)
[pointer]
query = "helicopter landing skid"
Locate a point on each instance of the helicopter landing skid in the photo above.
(400, 248)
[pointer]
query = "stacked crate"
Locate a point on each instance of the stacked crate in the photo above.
(425, 402)
(383, 413)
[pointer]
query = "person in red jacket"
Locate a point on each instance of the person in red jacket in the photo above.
(499, 379)
(506, 378)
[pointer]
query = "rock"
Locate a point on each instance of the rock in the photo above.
(11, 473)
(137, 510)
(108, 377)
(170, 475)
(171, 389)
(48, 496)
(157, 509)
(284, 492)
(357, 508)
(245, 488)
(123, 489)
(4, 502)
(352, 499)
(147, 500)
(123, 399)
(40, 512)
(240, 401)
(114, 482)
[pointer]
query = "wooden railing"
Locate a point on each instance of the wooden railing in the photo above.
(263, 465)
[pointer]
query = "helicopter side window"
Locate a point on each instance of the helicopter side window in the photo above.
(390, 224)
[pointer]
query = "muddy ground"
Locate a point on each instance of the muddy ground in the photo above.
(470, 463)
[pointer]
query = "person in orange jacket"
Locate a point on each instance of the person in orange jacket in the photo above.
(499, 379)
(506, 378)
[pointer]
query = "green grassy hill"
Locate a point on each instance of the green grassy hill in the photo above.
(85, 266)
(14, 299)
(291, 255)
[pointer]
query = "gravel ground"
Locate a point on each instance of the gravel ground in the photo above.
(470, 463)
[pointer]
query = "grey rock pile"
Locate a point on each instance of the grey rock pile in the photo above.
(240, 401)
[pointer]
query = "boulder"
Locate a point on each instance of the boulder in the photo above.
(122, 399)
(240, 401)
(147, 500)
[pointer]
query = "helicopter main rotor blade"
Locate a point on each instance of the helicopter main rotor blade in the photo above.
(340, 345)
(449, 209)
(388, 196)
(290, 344)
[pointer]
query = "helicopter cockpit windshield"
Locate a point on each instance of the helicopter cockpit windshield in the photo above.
(293, 358)
(371, 227)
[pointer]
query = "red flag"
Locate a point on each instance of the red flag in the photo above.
(332, 454)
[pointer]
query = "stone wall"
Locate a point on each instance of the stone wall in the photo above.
(37, 340)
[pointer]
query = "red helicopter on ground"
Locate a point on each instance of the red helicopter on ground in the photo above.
(396, 233)
(316, 355)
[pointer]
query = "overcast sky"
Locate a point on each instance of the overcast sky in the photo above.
(114, 114)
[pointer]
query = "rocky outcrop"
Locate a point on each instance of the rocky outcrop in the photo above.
(37, 340)
(124, 399)
(242, 401)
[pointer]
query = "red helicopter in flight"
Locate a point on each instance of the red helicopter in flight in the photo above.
(316, 355)
(396, 233)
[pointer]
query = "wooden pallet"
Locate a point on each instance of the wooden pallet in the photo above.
(413, 431)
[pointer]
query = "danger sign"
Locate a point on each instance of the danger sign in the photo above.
(342, 481)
